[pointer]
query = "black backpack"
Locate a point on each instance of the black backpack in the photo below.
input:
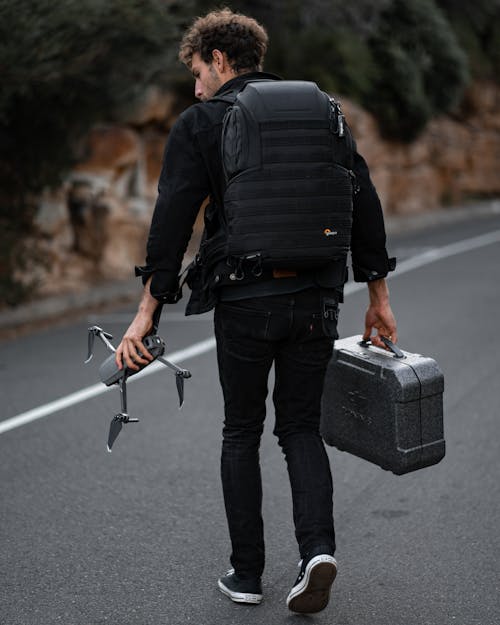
(287, 155)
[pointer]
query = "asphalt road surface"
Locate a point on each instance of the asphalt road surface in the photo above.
(138, 536)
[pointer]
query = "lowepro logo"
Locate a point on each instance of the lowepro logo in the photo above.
(329, 233)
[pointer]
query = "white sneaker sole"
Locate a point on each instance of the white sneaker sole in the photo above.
(239, 597)
(313, 592)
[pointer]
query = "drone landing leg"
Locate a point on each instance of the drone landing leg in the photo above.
(122, 417)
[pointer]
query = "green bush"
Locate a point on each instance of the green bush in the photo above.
(422, 70)
(477, 26)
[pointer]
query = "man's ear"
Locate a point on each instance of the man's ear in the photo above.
(220, 60)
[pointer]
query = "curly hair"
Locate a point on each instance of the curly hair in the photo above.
(242, 38)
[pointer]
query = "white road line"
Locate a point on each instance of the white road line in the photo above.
(432, 256)
(426, 258)
(98, 389)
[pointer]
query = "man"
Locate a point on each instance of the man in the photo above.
(285, 318)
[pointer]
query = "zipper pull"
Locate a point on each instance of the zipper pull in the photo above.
(340, 122)
(336, 114)
(355, 186)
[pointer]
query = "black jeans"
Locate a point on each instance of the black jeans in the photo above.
(296, 332)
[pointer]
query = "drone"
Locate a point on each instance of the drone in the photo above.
(110, 374)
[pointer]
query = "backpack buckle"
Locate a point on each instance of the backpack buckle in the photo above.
(257, 265)
(238, 273)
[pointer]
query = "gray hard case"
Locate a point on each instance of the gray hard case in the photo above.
(384, 408)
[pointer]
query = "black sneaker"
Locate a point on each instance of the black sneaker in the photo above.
(311, 591)
(240, 590)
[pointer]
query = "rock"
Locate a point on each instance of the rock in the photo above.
(125, 248)
(155, 105)
(153, 148)
(89, 214)
(51, 219)
(481, 98)
(110, 148)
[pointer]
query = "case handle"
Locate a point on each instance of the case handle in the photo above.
(392, 346)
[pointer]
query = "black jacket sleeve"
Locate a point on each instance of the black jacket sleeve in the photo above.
(182, 187)
(369, 255)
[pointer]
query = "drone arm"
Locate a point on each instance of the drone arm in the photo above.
(123, 395)
(104, 336)
(183, 373)
(180, 376)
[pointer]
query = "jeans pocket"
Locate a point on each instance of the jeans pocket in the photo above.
(237, 322)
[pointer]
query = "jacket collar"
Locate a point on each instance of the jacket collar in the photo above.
(238, 82)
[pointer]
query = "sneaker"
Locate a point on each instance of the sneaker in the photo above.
(240, 590)
(311, 591)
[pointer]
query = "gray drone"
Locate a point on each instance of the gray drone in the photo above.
(110, 374)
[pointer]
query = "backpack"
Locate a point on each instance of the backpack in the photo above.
(287, 155)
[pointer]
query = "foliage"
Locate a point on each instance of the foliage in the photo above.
(421, 68)
(477, 26)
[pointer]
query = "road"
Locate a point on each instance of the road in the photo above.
(138, 536)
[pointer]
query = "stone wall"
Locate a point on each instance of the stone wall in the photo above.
(94, 228)
(454, 159)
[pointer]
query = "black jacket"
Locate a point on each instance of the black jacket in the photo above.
(192, 171)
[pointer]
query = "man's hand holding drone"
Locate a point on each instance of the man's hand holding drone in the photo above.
(131, 351)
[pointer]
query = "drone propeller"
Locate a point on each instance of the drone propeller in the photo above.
(180, 376)
(179, 381)
(104, 336)
(115, 427)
